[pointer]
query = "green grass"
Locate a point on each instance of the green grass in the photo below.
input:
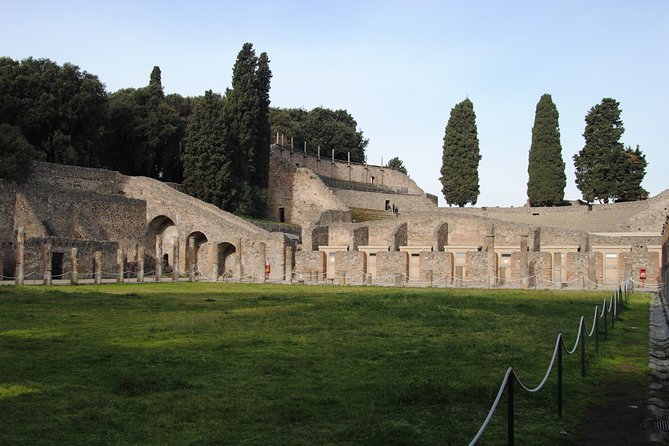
(219, 364)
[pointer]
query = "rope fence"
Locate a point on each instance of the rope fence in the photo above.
(610, 307)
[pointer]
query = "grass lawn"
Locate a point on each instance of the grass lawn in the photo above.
(233, 364)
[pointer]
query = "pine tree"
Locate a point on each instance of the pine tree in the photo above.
(460, 161)
(547, 179)
(207, 164)
(602, 163)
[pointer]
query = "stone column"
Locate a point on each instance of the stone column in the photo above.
(74, 275)
(175, 260)
(241, 260)
(159, 258)
(120, 266)
(140, 264)
(213, 254)
(524, 270)
(288, 264)
(47, 251)
(98, 268)
(492, 259)
(262, 258)
(20, 255)
(191, 258)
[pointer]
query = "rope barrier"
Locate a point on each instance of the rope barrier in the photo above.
(559, 346)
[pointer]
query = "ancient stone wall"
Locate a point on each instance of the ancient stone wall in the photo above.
(298, 195)
(351, 267)
(345, 171)
(379, 200)
(436, 268)
(79, 214)
(309, 267)
(392, 268)
(62, 250)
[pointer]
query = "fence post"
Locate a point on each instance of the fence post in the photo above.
(559, 376)
(613, 314)
(582, 348)
(510, 411)
(606, 322)
(596, 328)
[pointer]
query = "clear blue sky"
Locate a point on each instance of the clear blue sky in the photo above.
(397, 66)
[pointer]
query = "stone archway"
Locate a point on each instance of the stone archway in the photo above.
(228, 261)
(160, 238)
(196, 253)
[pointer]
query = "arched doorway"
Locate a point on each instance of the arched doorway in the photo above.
(195, 253)
(228, 261)
(164, 227)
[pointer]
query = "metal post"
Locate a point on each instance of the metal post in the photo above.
(606, 322)
(559, 377)
(583, 334)
(596, 328)
(510, 414)
(613, 316)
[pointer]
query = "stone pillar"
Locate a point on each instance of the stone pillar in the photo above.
(492, 258)
(159, 258)
(241, 260)
(74, 275)
(98, 268)
(140, 264)
(288, 264)
(20, 255)
(175, 260)
(524, 270)
(47, 251)
(213, 254)
(191, 258)
(262, 259)
(120, 266)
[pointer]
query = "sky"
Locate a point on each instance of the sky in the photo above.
(398, 67)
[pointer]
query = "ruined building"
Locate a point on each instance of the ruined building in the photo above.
(359, 224)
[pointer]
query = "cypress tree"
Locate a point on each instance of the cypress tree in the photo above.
(207, 165)
(249, 133)
(545, 169)
(260, 180)
(602, 163)
(460, 161)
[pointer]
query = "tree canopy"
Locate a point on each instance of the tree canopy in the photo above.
(397, 164)
(460, 160)
(207, 165)
(60, 110)
(547, 180)
(330, 129)
(605, 170)
(146, 132)
(16, 154)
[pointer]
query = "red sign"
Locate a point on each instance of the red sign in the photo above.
(642, 273)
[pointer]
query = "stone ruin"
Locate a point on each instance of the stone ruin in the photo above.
(73, 223)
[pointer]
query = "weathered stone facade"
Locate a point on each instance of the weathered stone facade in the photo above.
(135, 223)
